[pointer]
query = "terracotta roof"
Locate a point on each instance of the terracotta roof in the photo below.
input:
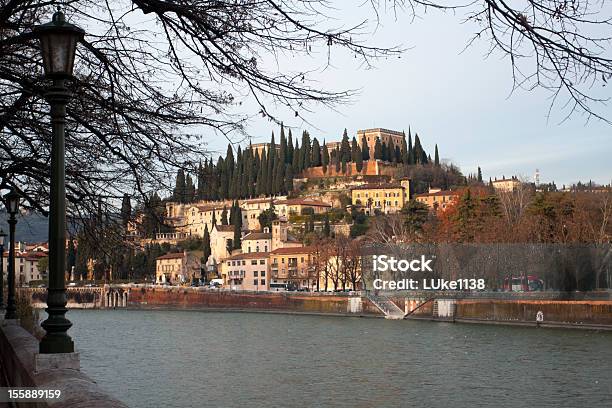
(224, 228)
(174, 255)
(438, 194)
(35, 255)
(248, 255)
(257, 235)
(379, 186)
(292, 250)
(303, 201)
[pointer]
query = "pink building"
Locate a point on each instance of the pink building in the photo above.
(246, 271)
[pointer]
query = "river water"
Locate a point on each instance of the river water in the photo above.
(210, 359)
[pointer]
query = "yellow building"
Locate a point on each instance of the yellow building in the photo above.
(385, 135)
(437, 199)
(506, 185)
(247, 271)
(295, 206)
(388, 198)
(177, 268)
(291, 265)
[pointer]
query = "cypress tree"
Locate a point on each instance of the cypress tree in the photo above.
(345, 148)
(385, 152)
(179, 186)
(279, 177)
(337, 159)
(359, 162)
(436, 157)
(479, 175)
(295, 162)
(411, 159)
(326, 226)
(236, 244)
(398, 155)
(189, 189)
(213, 221)
(391, 152)
(290, 151)
(378, 150)
(200, 182)
(316, 153)
(223, 179)
(325, 158)
(365, 149)
(356, 155)
(282, 154)
(305, 151)
(224, 216)
(288, 178)
(404, 151)
(206, 250)
(262, 179)
(126, 210)
(271, 160)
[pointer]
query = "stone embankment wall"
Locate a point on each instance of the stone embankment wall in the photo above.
(592, 309)
(576, 312)
(18, 353)
(193, 298)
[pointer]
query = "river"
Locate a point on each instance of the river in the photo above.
(211, 359)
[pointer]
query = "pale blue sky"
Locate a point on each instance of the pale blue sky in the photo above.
(461, 101)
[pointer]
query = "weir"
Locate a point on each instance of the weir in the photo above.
(386, 305)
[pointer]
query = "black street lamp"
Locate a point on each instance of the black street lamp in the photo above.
(11, 201)
(2, 236)
(58, 40)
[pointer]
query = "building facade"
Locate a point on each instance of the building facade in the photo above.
(175, 268)
(388, 198)
(506, 185)
(437, 199)
(292, 266)
(385, 135)
(247, 271)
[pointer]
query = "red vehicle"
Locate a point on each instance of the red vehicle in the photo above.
(523, 283)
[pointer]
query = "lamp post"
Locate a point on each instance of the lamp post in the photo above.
(11, 201)
(58, 40)
(2, 236)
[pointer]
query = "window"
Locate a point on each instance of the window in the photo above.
(263, 274)
(263, 282)
(243, 262)
(262, 262)
(254, 282)
(254, 262)
(282, 260)
(255, 274)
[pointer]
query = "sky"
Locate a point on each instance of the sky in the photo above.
(456, 98)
